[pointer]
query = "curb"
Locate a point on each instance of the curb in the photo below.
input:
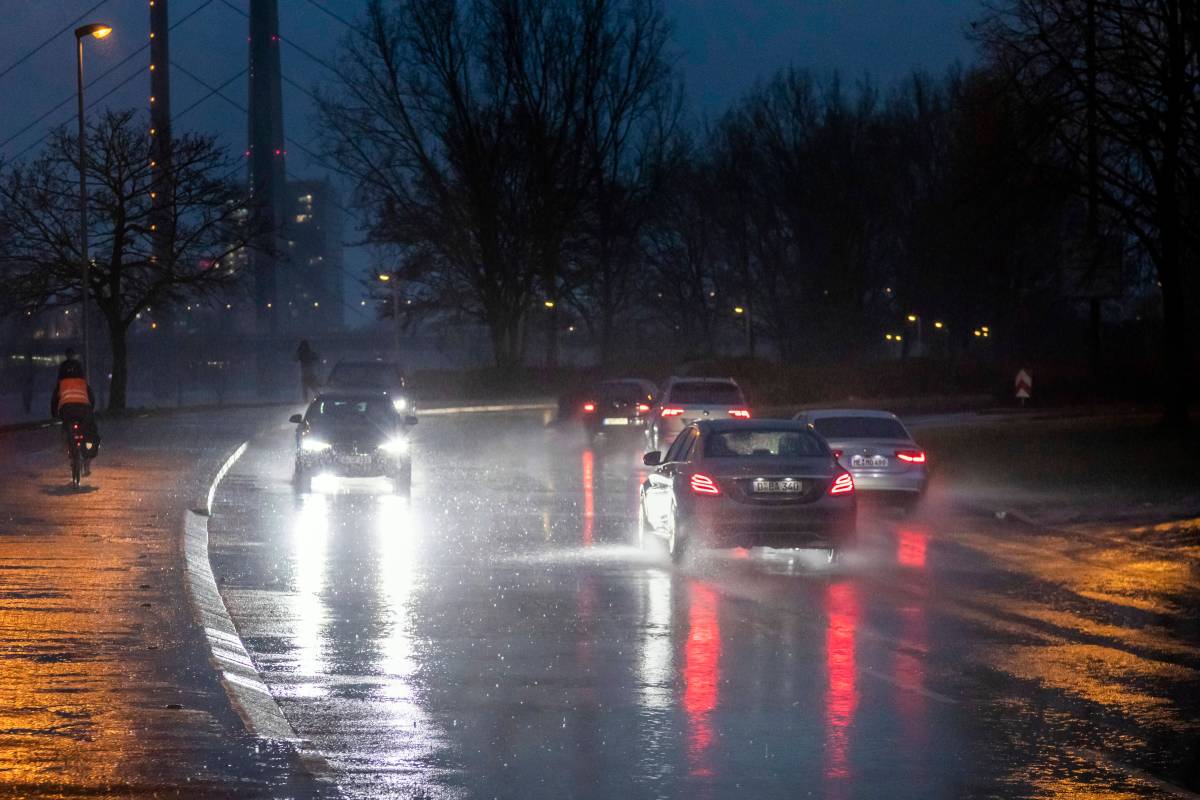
(248, 693)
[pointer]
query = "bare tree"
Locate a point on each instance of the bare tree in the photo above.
(1125, 78)
(133, 268)
(469, 128)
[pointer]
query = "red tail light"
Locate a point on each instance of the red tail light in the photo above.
(842, 484)
(740, 413)
(643, 408)
(589, 408)
(837, 455)
(702, 484)
(911, 456)
(672, 412)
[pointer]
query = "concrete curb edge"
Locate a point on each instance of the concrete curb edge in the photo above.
(248, 693)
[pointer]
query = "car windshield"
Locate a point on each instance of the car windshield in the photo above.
(372, 376)
(351, 411)
(763, 444)
(716, 393)
(859, 428)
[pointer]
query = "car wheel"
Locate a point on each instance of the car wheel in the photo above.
(402, 480)
(643, 528)
(302, 479)
(677, 540)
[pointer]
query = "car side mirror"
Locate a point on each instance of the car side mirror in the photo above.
(652, 459)
(295, 419)
(410, 420)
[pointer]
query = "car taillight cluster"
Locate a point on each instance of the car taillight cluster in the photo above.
(672, 412)
(702, 484)
(842, 484)
(740, 413)
(642, 408)
(911, 456)
(589, 407)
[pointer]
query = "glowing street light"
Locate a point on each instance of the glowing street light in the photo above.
(548, 304)
(939, 325)
(97, 30)
(739, 310)
(385, 277)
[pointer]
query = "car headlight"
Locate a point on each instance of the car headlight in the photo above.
(400, 403)
(313, 445)
(397, 446)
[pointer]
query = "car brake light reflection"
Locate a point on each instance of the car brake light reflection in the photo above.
(842, 484)
(911, 456)
(702, 484)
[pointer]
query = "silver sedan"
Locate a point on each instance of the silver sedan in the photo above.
(876, 448)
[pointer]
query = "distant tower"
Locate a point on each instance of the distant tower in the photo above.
(266, 153)
(160, 124)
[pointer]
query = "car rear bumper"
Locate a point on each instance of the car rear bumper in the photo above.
(911, 481)
(610, 425)
(825, 523)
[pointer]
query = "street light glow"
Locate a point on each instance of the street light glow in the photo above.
(97, 30)
(912, 317)
(938, 324)
(888, 336)
(383, 276)
(739, 310)
(549, 304)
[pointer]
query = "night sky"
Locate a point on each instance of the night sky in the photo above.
(723, 48)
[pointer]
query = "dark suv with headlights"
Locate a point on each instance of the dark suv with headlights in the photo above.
(354, 435)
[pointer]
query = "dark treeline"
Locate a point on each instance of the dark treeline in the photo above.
(529, 165)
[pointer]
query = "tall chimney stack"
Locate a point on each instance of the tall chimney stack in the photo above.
(160, 126)
(266, 155)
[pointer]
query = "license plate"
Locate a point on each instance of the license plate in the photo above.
(616, 421)
(354, 461)
(868, 462)
(777, 487)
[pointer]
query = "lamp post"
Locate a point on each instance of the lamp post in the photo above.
(386, 278)
(97, 30)
(916, 319)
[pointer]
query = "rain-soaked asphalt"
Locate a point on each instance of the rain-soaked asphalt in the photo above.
(499, 634)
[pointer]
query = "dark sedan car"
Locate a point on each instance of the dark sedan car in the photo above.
(353, 434)
(734, 482)
(618, 406)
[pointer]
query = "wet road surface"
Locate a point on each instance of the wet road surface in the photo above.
(499, 634)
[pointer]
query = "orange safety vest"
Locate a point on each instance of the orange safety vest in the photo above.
(72, 390)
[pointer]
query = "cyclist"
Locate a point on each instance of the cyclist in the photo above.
(73, 401)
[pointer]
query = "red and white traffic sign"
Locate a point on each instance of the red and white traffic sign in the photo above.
(1024, 384)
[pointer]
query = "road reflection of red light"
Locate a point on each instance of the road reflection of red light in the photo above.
(841, 698)
(701, 674)
(589, 497)
(910, 547)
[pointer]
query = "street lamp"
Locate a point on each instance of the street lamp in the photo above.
(916, 319)
(97, 30)
(386, 278)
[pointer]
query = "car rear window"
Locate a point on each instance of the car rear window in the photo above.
(859, 428)
(366, 376)
(706, 394)
(623, 392)
(763, 443)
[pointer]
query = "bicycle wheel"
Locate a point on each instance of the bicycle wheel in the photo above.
(76, 465)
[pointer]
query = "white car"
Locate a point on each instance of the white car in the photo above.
(687, 400)
(876, 448)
